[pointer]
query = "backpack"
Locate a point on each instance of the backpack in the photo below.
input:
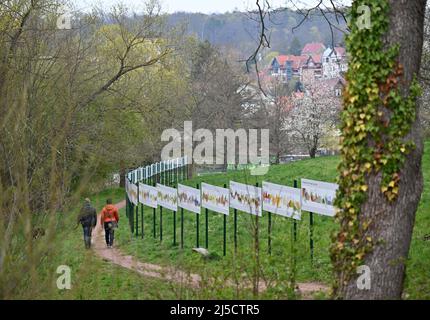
(113, 224)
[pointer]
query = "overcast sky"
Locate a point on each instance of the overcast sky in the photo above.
(204, 6)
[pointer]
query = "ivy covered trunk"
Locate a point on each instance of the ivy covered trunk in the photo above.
(380, 180)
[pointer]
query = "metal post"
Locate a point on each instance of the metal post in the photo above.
(207, 227)
(295, 222)
(174, 176)
(137, 221)
(154, 215)
(174, 228)
(225, 236)
(131, 217)
(141, 219)
(197, 230)
(182, 228)
(161, 224)
(311, 235)
(270, 232)
(235, 230)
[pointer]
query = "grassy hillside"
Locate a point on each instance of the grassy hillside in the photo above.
(279, 265)
(93, 278)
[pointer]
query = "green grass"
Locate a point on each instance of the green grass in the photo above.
(277, 266)
(418, 268)
(92, 278)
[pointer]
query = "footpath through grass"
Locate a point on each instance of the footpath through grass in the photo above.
(91, 277)
(278, 267)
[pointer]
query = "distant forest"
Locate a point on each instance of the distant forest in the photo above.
(238, 31)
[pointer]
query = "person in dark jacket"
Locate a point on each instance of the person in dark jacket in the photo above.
(88, 219)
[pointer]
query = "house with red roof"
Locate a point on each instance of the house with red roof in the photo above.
(287, 66)
(315, 62)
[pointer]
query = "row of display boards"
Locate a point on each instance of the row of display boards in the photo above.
(313, 196)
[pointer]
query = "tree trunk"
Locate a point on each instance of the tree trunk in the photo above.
(122, 173)
(313, 152)
(278, 158)
(392, 223)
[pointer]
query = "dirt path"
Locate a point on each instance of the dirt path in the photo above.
(115, 256)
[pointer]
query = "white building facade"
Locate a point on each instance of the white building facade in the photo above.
(334, 63)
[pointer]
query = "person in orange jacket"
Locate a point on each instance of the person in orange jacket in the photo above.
(109, 219)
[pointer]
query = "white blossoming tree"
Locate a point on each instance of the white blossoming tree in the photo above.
(314, 116)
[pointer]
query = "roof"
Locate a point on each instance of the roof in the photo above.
(297, 61)
(313, 48)
(282, 59)
(316, 58)
(338, 51)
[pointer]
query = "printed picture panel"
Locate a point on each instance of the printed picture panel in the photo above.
(189, 198)
(148, 195)
(215, 198)
(318, 197)
(133, 196)
(245, 198)
(282, 200)
(167, 197)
